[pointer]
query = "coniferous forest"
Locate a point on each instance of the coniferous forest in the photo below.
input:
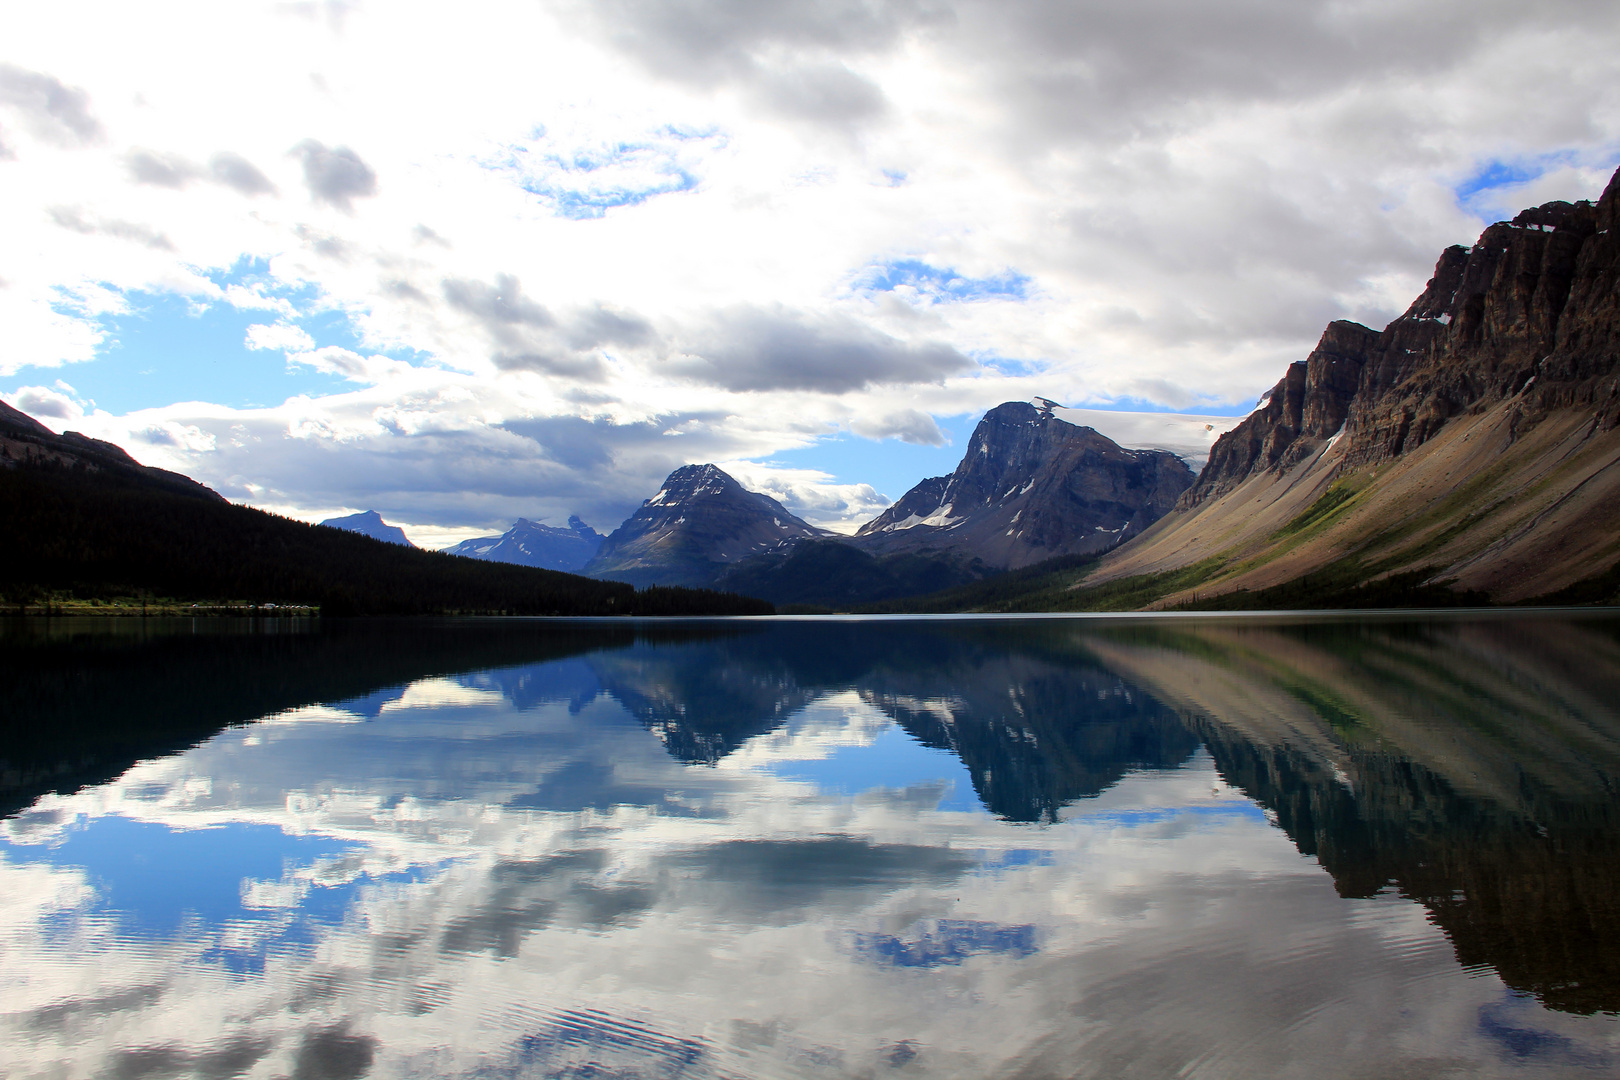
(86, 529)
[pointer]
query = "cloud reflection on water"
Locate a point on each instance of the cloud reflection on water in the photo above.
(625, 863)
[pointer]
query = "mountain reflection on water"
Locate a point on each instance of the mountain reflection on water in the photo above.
(1042, 847)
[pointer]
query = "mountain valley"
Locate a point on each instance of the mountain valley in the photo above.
(1467, 453)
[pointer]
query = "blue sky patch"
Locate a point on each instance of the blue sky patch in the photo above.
(1489, 191)
(153, 877)
(949, 941)
(1235, 809)
(941, 285)
(894, 761)
(1014, 859)
(169, 348)
(1511, 1024)
(1136, 404)
(894, 470)
(156, 880)
(1006, 365)
(585, 183)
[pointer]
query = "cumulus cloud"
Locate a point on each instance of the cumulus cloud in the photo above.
(48, 403)
(526, 336)
(72, 218)
(237, 172)
(53, 111)
(771, 348)
(715, 230)
(336, 360)
(335, 175)
(162, 170)
(705, 40)
(180, 436)
(825, 93)
(907, 425)
(283, 336)
(793, 60)
(812, 494)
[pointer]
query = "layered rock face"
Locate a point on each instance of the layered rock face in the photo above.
(1472, 445)
(1531, 311)
(1031, 487)
(529, 543)
(700, 521)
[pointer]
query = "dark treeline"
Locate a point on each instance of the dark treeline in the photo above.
(832, 574)
(103, 532)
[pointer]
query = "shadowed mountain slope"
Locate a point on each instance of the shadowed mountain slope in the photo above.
(1031, 487)
(370, 523)
(700, 521)
(1471, 445)
(529, 543)
(83, 519)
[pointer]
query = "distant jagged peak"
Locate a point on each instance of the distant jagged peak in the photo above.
(701, 519)
(694, 481)
(370, 523)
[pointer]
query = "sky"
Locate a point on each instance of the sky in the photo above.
(524, 259)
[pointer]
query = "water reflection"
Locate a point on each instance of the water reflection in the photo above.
(1012, 848)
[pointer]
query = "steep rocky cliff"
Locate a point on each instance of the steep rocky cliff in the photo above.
(1030, 487)
(1471, 443)
(700, 521)
(1529, 311)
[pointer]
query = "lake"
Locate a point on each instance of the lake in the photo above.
(1372, 846)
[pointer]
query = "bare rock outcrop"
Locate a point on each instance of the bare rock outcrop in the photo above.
(1030, 487)
(1531, 311)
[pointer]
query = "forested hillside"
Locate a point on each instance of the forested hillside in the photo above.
(84, 520)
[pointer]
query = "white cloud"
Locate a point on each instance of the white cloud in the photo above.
(57, 406)
(508, 902)
(811, 494)
(283, 336)
(627, 218)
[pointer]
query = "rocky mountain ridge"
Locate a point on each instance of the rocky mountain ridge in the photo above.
(700, 521)
(370, 523)
(530, 543)
(1031, 486)
(1470, 443)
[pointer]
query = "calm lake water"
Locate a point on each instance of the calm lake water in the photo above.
(1106, 847)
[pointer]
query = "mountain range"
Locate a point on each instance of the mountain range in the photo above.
(1469, 448)
(87, 526)
(1466, 453)
(529, 543)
